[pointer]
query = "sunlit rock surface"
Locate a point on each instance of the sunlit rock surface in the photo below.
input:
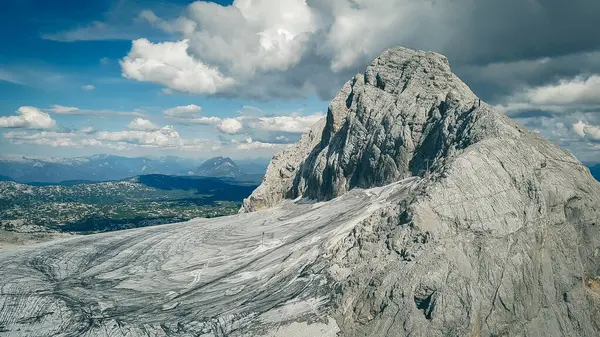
(503, 237)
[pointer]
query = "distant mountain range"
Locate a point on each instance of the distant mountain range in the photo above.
(254, 166)
(219, 167)
(93, 168)
(104, 167)
(105, 192)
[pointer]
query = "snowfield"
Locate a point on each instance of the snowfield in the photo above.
(253, 274)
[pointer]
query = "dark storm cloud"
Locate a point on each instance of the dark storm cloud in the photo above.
(493, 44)
(534, 59)
(512, 30)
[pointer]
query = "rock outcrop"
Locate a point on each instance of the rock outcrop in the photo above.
(495, 232)
(406, 115)
(282, 171)
(503, 240)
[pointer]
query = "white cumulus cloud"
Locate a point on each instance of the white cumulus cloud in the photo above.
(64, 110)
(291, 124)
(277, 124)
(169, 64)
(276, 47)
(230, 126)
(587, 130)
(197, 120)
(141, 124)
(54, 139)
(185, 110)
(71, 110)
(564, 96)
(244, 38)
(189, 115)
(579, 128)
(250, 144)
(88, 87)
(28, 117)
(163, 137)
(250, 36)
(578, 90)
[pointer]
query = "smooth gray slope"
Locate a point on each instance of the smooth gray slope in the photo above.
(503, 241)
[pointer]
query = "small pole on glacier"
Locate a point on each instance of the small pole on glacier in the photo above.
(262, 240)
(427, 165)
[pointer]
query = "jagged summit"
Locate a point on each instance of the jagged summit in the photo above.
(495, 232)
(406, 115)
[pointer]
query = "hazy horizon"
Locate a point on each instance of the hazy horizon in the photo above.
(191, 158)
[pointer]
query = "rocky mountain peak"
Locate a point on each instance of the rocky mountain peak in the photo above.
(502, 229)
(495, 233)
(405, 116)
(219, 167)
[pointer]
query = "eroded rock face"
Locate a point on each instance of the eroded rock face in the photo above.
(406, 114)
(281, 172)
(499, 235)
(501, 241)
(503, 238)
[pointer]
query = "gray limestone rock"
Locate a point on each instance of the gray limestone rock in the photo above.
(503, 238)
(495, 232)
(407, 112)
(281, 172)
(501, 241)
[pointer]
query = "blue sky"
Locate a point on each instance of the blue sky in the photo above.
(40, 69)
(246, 78)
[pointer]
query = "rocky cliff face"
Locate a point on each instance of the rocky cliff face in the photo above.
(282, 171)
(496, 233)
(502, 239)
(406, 115)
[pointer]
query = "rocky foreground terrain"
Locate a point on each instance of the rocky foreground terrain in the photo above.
(414, 209)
